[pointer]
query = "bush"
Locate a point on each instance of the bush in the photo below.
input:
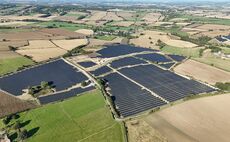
(223, 86)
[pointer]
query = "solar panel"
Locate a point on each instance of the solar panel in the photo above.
(129, 98)
(221, 39)
(177, 58)
(167, 66)
(87, 64)
(121, 49)
(59, 73)
(64, 95)
(101, 71)
(164, 83)
(126, 62)
(154, 57)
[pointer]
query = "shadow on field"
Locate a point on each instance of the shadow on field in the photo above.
(23, 124)
(13, 136)
(33, 131)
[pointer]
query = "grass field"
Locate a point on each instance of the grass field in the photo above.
(106, 37)
(83, 118)
(216, 62)
(64, 25)
(190, 52)
(12, 64)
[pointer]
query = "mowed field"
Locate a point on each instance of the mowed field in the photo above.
(202, 72)
(10, 105)
(12, 64)
(85, 118)
(204, 119)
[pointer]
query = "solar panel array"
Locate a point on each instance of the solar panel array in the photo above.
(101, 71)
(228, 37)
(126, 62)
(87, 64)
(61, 74)
(164, 83)
(118, 50)
(129, 97)
(221, 39)
(64, 95)
(154, 57)
(177, 58)
(167, 66)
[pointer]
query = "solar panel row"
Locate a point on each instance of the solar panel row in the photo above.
(118, 50)
(59, 73)
(126, 62)
(167, 66)
(177, 58)
(63, 95)
(101, 71)
(87, 64)
(154, 57)
(164, 83)
(129, 97)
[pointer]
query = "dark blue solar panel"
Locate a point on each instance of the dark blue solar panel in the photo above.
(126, 61)
(61, 74)
(177, 58)
(118, 50)
(164, 83)
(228, 37)
(167, 66)
(221, 39)
(154, 57)
(129, 97)
(87, 64)
(63, 95)
(101, 71)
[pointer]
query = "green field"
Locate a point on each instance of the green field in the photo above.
(85, 118)
(189, 52)
(63, 25)
(106, 37)
(12, 64)
(216, 62)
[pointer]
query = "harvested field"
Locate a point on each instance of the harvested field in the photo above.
(39, 55)
(70, 44)
(38, 44)
(153, 17)
(186, 125)
(126, 14)
(213, 27)
(86, 32)
(10, 105)
(98, 42)
(150, 38)
(202, 72)
(15, 23)
(124, 23)
(140, 131)
(111, 16)
(4, 46)
(96, 15)
(8, 54)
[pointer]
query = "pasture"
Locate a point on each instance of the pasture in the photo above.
(83, 118)
(12, 64)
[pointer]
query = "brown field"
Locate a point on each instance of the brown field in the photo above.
(124, 23)
(10, 105)
(202, 72)
(152, 17)
(15, 23)
(39, 55)
(20, 18)
(70, 44)
(199, 120)
(96, 15)
(86, 32)
(153, 36)
(8, 54)
(213, 27)
(98, 42)
(38, 44)
(126, 14)
(111, 16)
(4, 46)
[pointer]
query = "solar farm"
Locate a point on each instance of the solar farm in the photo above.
(139, 79)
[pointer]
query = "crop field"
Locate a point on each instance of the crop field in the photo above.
(111, 16)
(203, 72)
(127, 15)
(62, 25)
(90, 121)
(12, 64)
(152, 17)
(106, 37)
(98, 42)
(70, 44)
(51, 72)
(97, 15)
(43, 54)
(10, 105)
(186, 125)
(38, 44)
(86, 32)
(123, 23)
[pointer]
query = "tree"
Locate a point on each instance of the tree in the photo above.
(23, 134)
(17, 125)
(44, 84)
